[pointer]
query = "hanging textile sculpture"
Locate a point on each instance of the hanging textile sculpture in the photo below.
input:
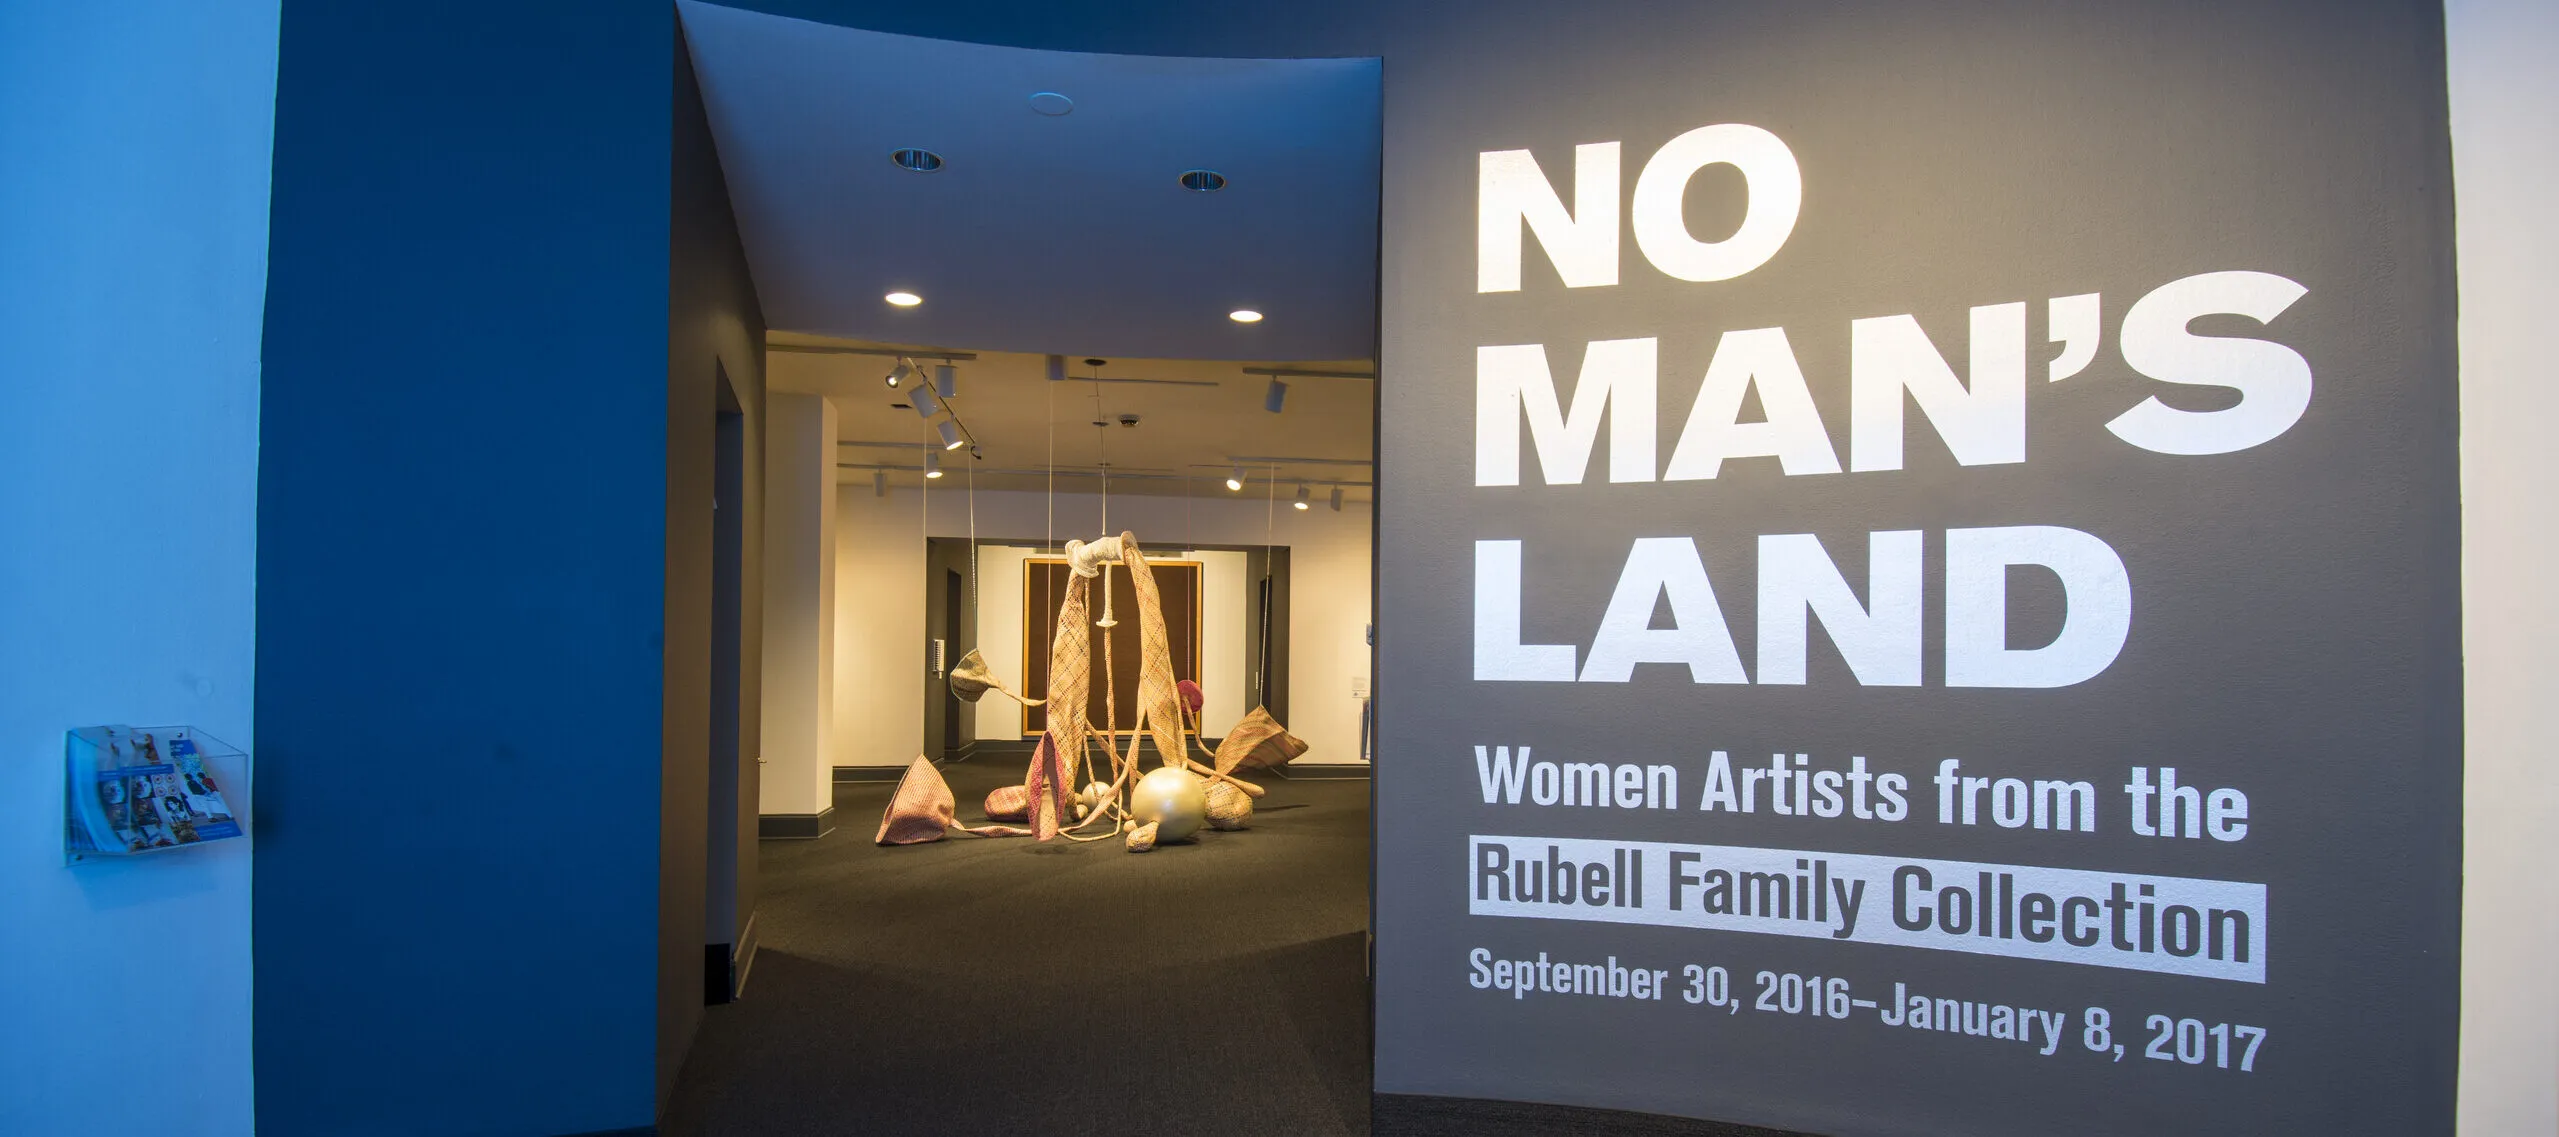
(1168, 804)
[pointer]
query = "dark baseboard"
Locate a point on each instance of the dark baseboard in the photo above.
(1416, 1115)
(717, 981)
(869, 773)
(795, 826)
(1018, 746)
(1317, 772)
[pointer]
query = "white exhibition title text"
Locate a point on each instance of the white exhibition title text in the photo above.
(1893, 363)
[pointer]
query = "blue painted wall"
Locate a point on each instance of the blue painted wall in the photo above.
(462, 587)
(134, 142)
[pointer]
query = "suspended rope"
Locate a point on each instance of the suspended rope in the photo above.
(1048, 539)
(1270, 542)
(1102, 451)
(972, 529)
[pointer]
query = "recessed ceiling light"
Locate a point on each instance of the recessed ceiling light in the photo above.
(1245, 316)
(917, 159)
(1203, 181)
(903, 299)
(1052, 104)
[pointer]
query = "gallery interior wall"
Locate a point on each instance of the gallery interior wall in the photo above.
(134, 147)
(801, 590)
(714, 364)
(2505, 158)
(468, 576)
(880, 589)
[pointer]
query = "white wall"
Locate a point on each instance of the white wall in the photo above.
(135, 142)
(799, 590)
(2505, 153)
(1223, 600)
(880, 613)
(879, 629)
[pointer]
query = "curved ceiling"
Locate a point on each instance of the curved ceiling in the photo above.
(1046, 233)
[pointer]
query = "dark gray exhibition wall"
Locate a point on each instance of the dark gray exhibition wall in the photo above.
(2219, 538)
(2286, 600)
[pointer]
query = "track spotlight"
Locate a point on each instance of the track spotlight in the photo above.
(946, 380)
(898, 374)
(951, 439)
(879, 483)
(1057, 369)
(1337, 499)
(1276, 397)
(932, 464)
(925, 405)
(1301, 496)
(1235, 480)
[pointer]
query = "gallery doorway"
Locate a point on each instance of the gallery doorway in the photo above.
(1071, 403)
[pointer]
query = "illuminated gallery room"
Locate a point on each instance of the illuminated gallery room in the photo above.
(1066, 575)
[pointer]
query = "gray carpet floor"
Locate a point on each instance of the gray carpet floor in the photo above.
(1006, 986)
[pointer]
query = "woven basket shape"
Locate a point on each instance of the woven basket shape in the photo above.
(1257, 742)
(1070, 668)
(1157, 700)
(1228, 807)
(923, 811)
(1009, 803)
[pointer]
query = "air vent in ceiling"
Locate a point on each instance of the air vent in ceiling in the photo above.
(1204, 181)
(919, 160)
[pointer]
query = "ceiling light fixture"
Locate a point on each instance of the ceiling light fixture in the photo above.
(1203, 181)
(916, 158)
(879, 483)
(922, 401)
(1052, 104)
(1245, 316)
(951, 439)
(1301, 496)
(946, 379)
(1337, 499)
(1276, 397)
(903, 299)
(1235, 480)
(932, 464)
(898, 374)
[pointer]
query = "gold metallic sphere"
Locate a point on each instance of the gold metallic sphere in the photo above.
(1175, 801)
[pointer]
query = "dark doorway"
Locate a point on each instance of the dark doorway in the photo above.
(729, 896)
